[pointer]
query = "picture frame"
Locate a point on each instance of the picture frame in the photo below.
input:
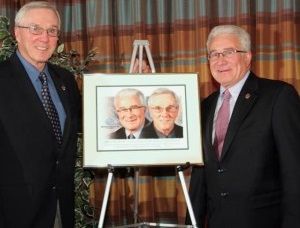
(101, 119)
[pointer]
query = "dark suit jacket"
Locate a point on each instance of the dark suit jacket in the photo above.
(256, 184)
(149, 131)
(34, 173)
(121, 133)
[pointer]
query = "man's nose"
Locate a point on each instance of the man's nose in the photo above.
(44, 36)
(164, 112)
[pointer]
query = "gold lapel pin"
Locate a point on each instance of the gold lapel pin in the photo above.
(247, 96)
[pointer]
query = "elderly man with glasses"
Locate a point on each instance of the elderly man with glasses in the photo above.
(130, 108)
(251, 146)
(39, 119)
(163, 106)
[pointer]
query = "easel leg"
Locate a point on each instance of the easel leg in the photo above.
(136, 194)
(135, 47)
(186, 195)
(140, 58)
(106, 194)
(150, 60)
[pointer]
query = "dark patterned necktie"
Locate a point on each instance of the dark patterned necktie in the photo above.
(50, 108)
(131, 136)
(222, 123)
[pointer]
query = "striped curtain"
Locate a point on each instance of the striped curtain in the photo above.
(177, 32)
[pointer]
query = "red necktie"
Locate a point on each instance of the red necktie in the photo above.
(222, 123)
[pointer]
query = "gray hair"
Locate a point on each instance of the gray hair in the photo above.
(242, 35)
(35, 5)
(128, 92)
(160, 91)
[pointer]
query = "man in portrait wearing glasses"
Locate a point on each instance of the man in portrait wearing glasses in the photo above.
(38, 126)
(251, 125)
(163, 106)
(130, 108)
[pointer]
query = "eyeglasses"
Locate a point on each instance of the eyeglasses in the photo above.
(130, 109)
(228, 53)
(170, 109)
(37, 30)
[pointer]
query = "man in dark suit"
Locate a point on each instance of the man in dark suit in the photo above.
(251, 174)
(130, 108)
(163, 106)
(37, 151)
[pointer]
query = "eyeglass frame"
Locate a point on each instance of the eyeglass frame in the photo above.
(159, 109)
(227, 53)
(32, 29)
(129, 109)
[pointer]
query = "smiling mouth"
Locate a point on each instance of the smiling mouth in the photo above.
(42, 48)
(221, 71)
(131, 121)
(166, 121)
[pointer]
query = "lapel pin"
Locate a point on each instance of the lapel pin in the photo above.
(247, 96)
(63, 88)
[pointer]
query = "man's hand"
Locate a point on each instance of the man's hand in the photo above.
(145, 67)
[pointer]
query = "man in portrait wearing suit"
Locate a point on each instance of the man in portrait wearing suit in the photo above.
(38, 126)
(163, 106)
(130, 108)
(251, 125)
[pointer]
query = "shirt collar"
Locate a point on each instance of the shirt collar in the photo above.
(236, 89)
(31, 70)
(171, 135)
(135, 133)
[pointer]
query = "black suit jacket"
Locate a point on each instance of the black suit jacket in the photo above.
(256, 183)
(34, 172)
(149, 131)
(121, 133)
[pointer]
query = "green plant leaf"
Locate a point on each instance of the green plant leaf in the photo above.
(60, 48)
(3, 34)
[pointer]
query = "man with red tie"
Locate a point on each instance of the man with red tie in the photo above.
(251, 129)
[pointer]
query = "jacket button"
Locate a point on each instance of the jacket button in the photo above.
(57, 162)
(220, 170)
(53, 188)
(224, 194)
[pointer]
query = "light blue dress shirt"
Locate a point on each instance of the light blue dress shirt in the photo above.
(33, 74)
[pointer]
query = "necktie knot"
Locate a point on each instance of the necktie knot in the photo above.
(43, 78)
(226, 95)
(131, 136)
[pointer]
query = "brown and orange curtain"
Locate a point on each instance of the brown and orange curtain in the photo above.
(177, 32)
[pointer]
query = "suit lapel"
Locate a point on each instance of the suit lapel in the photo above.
(244, 104)
(210, 122)
(27, 90)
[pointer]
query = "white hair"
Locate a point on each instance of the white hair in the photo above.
(35, 5)
(242, 35)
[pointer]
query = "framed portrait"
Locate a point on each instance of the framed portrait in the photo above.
(141, 120)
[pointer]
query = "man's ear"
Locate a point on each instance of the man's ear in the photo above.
(17, 34)
(249, 57)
